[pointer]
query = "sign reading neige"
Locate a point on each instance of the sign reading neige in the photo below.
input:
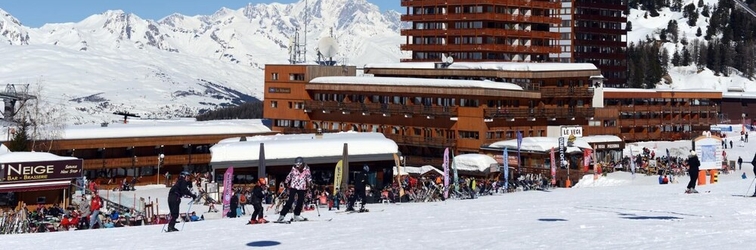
(41, 170)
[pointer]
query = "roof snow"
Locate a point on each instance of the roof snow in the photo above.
(419, 82)
(504, 66)
(474, 162)
(540, 144)
(31, 157)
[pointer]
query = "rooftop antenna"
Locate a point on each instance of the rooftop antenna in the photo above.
(327, 49)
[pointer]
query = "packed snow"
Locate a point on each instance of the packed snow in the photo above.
(616, 211)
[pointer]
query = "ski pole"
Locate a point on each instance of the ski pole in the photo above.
(749, 187)
(187, 214)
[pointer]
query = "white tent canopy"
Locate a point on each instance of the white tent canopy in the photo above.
(410, 170)
(282, 149)
(473, 162)
(540, 144)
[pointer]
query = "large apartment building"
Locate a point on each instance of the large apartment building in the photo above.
(577, 31)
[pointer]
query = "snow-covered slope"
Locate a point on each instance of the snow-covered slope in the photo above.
(181, 64)
(688, 77)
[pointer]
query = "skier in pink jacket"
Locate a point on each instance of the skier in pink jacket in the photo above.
(297, 181)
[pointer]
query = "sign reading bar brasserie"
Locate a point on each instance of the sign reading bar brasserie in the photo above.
(41, 170)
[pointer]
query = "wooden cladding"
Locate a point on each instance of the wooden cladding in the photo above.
(421, 140)
(531, 49)
(531, 34)
(499, 17)
(566, 92)
(556, 113)
(146, 161)
(482, 73)
(379, 108)
(535, 4)
(394, 89)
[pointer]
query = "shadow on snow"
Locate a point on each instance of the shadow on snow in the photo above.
(263, 243)
(551, 219)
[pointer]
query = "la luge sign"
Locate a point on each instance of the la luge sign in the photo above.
(41, 170)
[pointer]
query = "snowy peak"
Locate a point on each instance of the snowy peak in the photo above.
(11, 30)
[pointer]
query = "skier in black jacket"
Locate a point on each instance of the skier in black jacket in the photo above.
(693, 164)
(179, 190)
(360, 181)
(257, 198)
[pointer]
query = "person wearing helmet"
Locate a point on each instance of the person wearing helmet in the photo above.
(179, 190)
(360, 180)
(693, 164)
(258, 194)
(297, 181)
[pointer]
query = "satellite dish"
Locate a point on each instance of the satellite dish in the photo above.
(449, 60)
(328, 47)
(443, 57)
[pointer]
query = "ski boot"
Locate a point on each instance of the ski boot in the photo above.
(693, 190)
(299, 218)
(349, 209)
(252, 222)
(687, 191)
(262, 221)
(281, 219)
(172, 229)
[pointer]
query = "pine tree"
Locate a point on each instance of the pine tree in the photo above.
(698, 32)
(685, 57)
(676, 59)
(629, 26)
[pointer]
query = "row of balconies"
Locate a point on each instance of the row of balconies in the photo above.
(145, 161)
(378, 108)
(499, 17)
(527, 34)
(518, 49)
(549, 113)
(514, 3)
(566, 92)
(667, 109)
(421, 140)
(659, 121)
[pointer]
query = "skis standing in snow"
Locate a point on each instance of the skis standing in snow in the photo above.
(180, 189)
(693, 164)
(359, 190)
(297, 181)
(257, 197)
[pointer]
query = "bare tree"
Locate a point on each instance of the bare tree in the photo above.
(46, 118)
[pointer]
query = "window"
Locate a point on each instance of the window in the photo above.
(296, 77)
(274, 104)
(468, 135)
(274, 76)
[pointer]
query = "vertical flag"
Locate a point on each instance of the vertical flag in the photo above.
(261, 173)
(519, 145)
(456, 177)
(446, 173)
(553, 167)
(505, 157)
(632, 160)
(587, 159)
(228, 181)
(337, 177)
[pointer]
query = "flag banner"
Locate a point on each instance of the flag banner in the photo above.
(519, 145)
(446, 173)
(337, 177)
(505, 169)
(261, 173)
(553, 167)
(456, 177)
(228, 183)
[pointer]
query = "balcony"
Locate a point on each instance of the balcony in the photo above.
(500, 17)
(421, 141)
(519, 3)
(566, 92)
(509, 48)
(481, 32)
(555, 113)
(379, 108)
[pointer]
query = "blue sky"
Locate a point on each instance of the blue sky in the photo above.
(35, 13)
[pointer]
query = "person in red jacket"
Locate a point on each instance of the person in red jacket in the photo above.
(95, 206)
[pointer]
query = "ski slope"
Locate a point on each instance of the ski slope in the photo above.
(619, 211)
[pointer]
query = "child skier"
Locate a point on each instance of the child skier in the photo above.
(257, 197)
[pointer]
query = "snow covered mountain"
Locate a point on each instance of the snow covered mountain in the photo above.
(180, 65)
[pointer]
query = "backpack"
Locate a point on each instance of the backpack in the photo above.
(243, 199)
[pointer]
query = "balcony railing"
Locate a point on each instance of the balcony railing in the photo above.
(481, 16)
(421, 141)
(520, 49)
(379, 108)
(556, 113)
(524, 3)
(566, 92)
